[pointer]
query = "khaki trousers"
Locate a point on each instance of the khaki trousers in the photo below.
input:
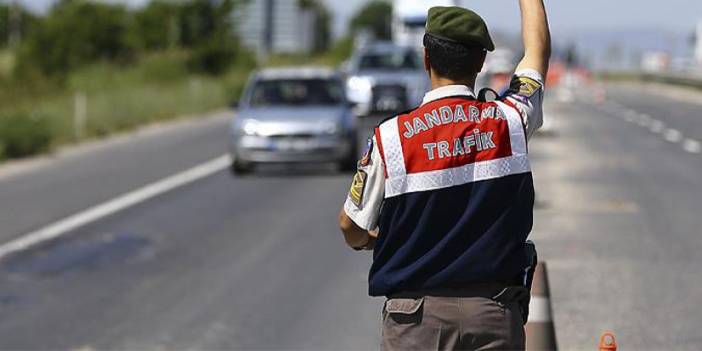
(480, 318)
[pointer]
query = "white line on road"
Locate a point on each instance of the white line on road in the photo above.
(657, 126)
(117, 204)
(629, 115)
(644, 120)
(673, 135)
(692, 146)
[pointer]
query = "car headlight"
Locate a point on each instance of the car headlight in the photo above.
(250, 127)
(359, 89)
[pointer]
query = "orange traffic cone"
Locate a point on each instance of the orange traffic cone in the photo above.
(607, 342)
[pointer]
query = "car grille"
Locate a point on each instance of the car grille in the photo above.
(389, 98)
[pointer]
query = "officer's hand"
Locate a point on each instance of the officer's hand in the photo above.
(374, 233)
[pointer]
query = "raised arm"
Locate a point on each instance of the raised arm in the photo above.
(536, 36)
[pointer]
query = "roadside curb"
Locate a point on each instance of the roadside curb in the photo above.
(540, 329)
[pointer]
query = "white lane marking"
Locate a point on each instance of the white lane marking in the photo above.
(673, 135)
(539, 310)
(692, 146)
(657, 126)
(629, 115)
(644, 120)
(119, 203)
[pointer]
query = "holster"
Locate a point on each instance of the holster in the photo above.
(528, 277)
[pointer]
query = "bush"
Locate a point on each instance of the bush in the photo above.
(162, 67)
(213, 56)
(23, 135)
(235, 83)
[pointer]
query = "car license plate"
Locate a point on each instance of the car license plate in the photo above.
(294, 145)
(388, 103)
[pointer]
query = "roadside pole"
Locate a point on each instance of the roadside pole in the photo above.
(80, 113)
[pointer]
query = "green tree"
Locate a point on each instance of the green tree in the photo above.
(4, 24)
(207, 28)
(14, 20)
(376, 16)
(73, 34)
(200, 19)
(322, 24)
(157, 25)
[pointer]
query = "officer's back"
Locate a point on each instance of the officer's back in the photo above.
(458, 203)
(444, 195)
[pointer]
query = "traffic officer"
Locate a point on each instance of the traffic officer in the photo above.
(444, 194)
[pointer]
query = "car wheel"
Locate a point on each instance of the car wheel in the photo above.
(239, 168)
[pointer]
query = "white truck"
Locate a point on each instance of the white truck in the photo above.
(409, 18)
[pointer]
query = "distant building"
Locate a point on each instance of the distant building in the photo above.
(276, 26)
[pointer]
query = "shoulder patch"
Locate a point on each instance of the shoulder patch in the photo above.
(357, 187)
(525, 86)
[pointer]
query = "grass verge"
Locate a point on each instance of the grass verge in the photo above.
(34, 119)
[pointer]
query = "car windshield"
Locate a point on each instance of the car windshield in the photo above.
(390, 60)
(276, 92)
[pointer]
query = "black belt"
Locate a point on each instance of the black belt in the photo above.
(488, 290)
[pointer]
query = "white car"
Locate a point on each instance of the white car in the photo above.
(384, 78)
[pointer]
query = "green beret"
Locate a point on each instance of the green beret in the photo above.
(460, 25)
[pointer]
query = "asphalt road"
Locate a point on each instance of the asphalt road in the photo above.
(258, 262)
(43, 191)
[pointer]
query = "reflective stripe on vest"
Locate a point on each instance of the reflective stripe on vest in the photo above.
(503, 160)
